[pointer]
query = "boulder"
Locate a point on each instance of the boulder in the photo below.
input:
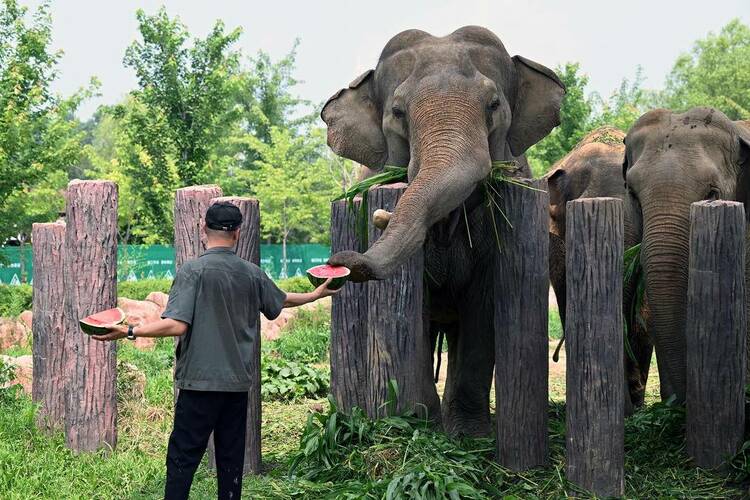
(26, 318)
(140, 312)
(23, 367)
(13, 332)
(158, 298)
(272, 329)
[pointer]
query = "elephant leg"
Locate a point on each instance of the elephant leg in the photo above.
(471, 360)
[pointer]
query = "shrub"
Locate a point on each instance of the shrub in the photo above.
(288, 380)
(139, 290)
(14, 299)
(296, 284)
(307, 339)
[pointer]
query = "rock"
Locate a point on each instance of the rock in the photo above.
(13, 332)
(158, 298)
(26, 318)
(271, 329)
(141, 312)
(23, 367)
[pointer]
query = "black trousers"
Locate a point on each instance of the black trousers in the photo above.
(197, 414)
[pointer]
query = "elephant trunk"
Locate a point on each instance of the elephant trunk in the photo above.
(450, 155)
(665, 252)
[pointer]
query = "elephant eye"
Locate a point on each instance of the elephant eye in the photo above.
(494, 104)
(397, 112)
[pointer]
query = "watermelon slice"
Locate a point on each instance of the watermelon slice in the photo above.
(319, 274)
(99, 323)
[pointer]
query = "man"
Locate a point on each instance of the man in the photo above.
(213, 307)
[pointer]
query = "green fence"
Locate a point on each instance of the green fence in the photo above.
(137, 262)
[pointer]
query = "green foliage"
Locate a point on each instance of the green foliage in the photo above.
(14, 299)
(625, 105)
(180, 114)
(139, 290)
(554, 325)
(714, 73)
(7, 374)
(296, 284)
(288, 380)
(307, 340)
(575, 115)
(37, 138)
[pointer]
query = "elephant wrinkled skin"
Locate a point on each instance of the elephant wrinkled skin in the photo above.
(671, 161)
(445, 107)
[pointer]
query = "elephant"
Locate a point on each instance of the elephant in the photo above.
(671, 161)
(594, 169)
(445, 108)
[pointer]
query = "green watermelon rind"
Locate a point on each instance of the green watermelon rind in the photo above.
(90, 329)
(335, 284)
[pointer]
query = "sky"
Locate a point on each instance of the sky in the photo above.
(341, 39)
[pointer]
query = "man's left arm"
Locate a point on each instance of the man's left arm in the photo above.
(166, 327)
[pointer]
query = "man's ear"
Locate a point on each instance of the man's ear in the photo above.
(536, 111)
(354, 123)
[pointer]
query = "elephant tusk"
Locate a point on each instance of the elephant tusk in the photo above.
(381, 218)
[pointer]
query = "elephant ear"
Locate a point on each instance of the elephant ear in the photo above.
(556, 182)
(537, 108)
(743, 183)
(353, 120)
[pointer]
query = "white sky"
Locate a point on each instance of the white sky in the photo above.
(340, 39)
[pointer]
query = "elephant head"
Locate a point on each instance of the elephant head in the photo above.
(446, 107)
(672, 160)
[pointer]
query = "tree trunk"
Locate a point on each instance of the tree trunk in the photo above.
(49, 348)
(22, 257)
(595, 392)
(715, 332)
(521, 342)
(349, 374)
(248, 248)
(190, 205)
(90, 287)
(398, 346)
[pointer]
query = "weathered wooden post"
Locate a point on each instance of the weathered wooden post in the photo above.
(521, 310)
(398, 345)
(48, 380)
(715, 332)
(90, 287)
(349, 376)
(190, 205)
(595, 393)
(248, 248)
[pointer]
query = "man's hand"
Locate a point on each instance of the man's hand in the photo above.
(324, 291)
(116, 332)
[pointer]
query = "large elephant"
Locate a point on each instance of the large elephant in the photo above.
(446, 107)
(672, 160)
(594, 169)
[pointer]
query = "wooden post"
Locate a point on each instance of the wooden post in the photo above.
(397, 344)
(715, 332)
(90, 287)
(521, 310)
(349, 376)
(190, 205)
(248, 248)
(48, 380)
(595, 393)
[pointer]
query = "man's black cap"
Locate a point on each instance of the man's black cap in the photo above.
(223, 216)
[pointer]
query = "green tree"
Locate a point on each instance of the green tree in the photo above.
(294, 193)
(38, 136)
(715, 73)
(575, 115)
(625, 105)
(180, 114)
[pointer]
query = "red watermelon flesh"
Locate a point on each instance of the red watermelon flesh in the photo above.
(99, 323)
(319, 274)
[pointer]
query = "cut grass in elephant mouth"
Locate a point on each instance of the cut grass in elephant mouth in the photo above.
(500, 171)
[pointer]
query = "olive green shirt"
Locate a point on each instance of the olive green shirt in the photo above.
(219, 296)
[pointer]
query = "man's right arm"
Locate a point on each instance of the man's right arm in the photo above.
(297, 299)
